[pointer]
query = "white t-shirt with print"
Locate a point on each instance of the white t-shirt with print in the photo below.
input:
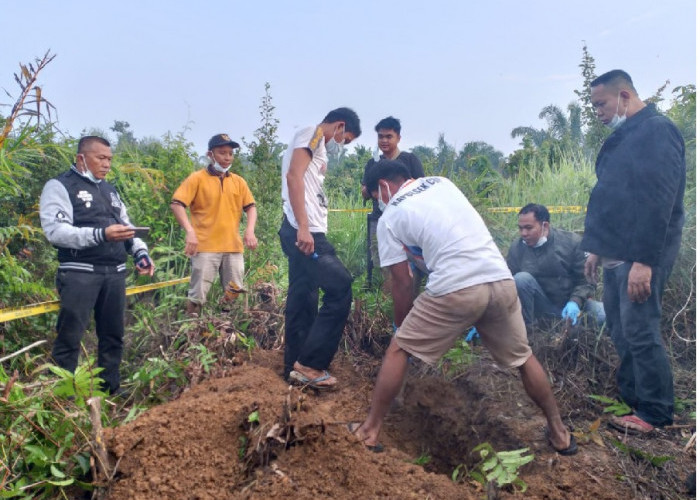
(316, 203)
(431, 223)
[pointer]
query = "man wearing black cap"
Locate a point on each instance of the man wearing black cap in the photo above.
(216, 199)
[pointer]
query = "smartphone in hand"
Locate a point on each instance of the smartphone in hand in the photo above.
(141, 232)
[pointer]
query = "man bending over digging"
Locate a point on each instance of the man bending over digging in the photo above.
(431, 223)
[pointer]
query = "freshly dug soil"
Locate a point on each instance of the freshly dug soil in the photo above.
(211, 444)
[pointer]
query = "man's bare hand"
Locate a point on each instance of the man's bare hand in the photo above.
(249, 240)
(590, 269)
(118, 232)
(305, 242)
(365, 194)
(191, 243)
(639, 282)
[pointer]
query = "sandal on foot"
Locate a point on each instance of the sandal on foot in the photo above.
(314, 383)
(375, 448)
(572, 448)
(631, 424)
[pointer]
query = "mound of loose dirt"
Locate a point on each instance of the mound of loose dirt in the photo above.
(209, 444)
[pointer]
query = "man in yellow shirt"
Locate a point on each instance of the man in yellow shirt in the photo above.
(216, 199)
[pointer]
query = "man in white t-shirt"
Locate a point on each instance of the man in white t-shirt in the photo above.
(429, 222)
(312, 334)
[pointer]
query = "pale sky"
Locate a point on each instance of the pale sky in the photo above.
(471, 70)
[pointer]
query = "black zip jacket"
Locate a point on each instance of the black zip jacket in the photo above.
(635, 212)
(557, 266)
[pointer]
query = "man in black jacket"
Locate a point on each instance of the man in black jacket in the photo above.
(388, 137)
(633, 229)
(547, 265)
(84, 218)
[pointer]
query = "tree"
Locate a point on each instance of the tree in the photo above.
(445, 157)
(595, 131)
(563, 132)
(125, 137)
(427, 157)
(265, 153)
(477, 156)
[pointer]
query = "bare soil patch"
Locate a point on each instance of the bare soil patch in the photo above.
(203, 446)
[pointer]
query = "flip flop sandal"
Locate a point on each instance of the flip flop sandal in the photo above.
(302, 379)
(631, 424)
(566, 452)
(375, 448)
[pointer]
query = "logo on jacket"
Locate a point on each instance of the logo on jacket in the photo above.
(85, 197)
(115, 200)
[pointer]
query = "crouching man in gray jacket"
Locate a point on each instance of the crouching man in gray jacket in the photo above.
(84, 218)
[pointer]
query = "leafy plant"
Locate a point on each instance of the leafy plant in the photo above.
(45, 445)
(680, 406)
(205, 357)
(617, 408)
(156, 375)
(655, 460)
(457, 359)
(247, 341)
(500, 467)
(423, 460)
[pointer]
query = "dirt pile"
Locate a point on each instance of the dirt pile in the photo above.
(210, 443)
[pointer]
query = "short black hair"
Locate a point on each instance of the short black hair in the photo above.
(347, 115)
(540, 211)
(85, 141)
(389, 123)
(614, 78)
(390, 170)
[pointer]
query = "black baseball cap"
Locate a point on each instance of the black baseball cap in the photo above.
(222, 140)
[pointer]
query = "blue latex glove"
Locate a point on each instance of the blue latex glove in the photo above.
(571, 310)
(471, 334)
(394, 327)
(142, 259)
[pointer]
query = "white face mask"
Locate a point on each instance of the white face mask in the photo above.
(380, 202)
(618, 120)
(333, 147)
(87, 173)
(541, 241)
(217, 166)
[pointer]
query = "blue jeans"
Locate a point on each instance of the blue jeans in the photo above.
(536, 304)
(644, 377)
(312, 335)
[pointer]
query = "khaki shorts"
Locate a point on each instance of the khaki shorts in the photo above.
(206, 266)
(434, 323)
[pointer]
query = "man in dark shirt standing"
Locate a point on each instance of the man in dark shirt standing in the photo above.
(388, 138)
(633, 229)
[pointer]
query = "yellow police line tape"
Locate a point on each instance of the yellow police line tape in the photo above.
(557, 209)
(55, 305)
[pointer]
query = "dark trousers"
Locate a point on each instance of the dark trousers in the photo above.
(312, 335)
(81, 293)
(644, 377)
